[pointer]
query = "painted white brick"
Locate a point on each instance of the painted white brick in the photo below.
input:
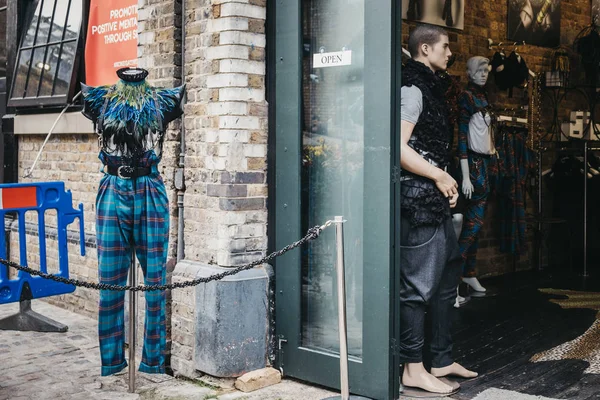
(255, 150)
(211, 136)
(227, 108)
(143, 14)
(241, 94)
(246, 38)
(250, 230)
(223, 258)
(227, 24)
(233, 136)
(245, 66)
(237, 245)
(239, 122)
(234, 217)
(243, 10)
(228, 51)
(216, 163)
(235, 158)
(256, 216)
(146, 38)
(227, 80)
(223, 150)
(215, 243)
(227, 231)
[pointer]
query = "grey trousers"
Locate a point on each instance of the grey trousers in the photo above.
(429, 274)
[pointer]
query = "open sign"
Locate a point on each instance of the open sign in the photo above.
(335, 59)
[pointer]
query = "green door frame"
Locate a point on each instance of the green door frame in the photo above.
(377, 374)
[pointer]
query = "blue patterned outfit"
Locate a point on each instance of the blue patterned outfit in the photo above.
(473, 100)
(131, 212)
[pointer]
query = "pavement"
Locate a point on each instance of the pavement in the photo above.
(61, 366)
(66, 366)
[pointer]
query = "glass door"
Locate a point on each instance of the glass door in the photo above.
(334, 71)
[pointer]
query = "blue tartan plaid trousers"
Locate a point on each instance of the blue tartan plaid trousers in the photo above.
(474, 214)
(132, 212)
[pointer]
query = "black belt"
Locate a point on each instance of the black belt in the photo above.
(480, 155)
(127, 172)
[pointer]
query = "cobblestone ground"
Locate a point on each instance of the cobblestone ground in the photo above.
(61, 366)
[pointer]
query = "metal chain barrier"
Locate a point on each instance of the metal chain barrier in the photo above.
(313, 233)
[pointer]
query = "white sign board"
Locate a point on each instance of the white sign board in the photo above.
(335, 59)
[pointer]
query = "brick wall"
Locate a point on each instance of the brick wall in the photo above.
(485, 20)
(72, 159)
(226, 121)
(226, 139)
(159, 51)
(226, 133)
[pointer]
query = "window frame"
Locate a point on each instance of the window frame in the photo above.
(4, 9)
(76, 69)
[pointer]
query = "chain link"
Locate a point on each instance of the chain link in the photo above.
(313, 233)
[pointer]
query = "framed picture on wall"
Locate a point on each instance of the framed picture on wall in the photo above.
(596, 11)
(447, 13)
(535, 22)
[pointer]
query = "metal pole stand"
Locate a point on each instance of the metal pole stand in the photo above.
(341, 299)
(29, 320)
(585, 205)
(132, 322)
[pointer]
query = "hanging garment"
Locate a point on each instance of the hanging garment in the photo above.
(509, 72)
(566, 185)
(587, 44)
(515, 162)
(132, 207)
(502, 75)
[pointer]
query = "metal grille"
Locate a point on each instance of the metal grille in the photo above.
(47, 54)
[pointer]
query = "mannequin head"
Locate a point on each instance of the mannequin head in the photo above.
(132, 74)
(429, 44)
(478, 69)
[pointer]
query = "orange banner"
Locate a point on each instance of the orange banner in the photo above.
(112, 40)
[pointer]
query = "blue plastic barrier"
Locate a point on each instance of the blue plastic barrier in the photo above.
(20, 198)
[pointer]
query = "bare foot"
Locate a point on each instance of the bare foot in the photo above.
(415, 375)
(454, 369)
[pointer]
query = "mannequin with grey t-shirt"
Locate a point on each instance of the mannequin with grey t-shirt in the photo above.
(475, 150)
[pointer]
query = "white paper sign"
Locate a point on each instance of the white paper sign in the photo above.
(335, 59)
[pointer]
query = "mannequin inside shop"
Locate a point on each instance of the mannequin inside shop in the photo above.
(476, 151)
(430, 255)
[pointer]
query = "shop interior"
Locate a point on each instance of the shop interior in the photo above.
(529, 321)
(528, 316)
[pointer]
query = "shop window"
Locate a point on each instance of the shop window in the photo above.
(46, 66)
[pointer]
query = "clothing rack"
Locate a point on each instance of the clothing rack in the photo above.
(498, 46)
(506, 118)
(566, 147)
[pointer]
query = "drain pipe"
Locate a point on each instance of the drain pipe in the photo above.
(179, 174)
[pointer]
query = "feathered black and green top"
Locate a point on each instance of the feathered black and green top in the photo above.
(131, 117)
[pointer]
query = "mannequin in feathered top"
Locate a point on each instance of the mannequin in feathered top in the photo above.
(132, 206)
